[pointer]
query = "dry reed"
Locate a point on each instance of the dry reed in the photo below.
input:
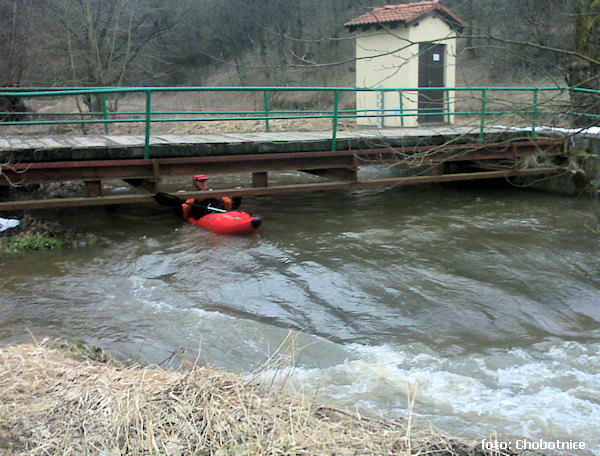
(53, 401)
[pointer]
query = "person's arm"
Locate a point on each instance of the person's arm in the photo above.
(200, 207)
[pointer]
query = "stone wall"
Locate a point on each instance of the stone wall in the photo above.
(583, 171)
(585, 155)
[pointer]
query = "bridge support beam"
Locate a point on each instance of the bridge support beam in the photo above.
(296, 188)
(341, 163)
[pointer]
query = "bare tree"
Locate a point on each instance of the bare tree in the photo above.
(559, 39)
(14, 40)
(103, 40)
(583, 70)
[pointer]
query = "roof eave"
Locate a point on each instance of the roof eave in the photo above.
(388, 24)
(452, 20)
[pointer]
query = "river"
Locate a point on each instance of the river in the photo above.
(484, 299)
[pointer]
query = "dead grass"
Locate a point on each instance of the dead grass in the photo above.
(54, 109)
(57, 401)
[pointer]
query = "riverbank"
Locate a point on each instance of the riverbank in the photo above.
(36, 234)
(61, 398)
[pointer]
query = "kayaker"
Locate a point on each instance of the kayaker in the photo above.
(197, 208)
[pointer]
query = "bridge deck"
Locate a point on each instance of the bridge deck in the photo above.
(92, 159)
(109, 147)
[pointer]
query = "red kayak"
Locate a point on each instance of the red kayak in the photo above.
(230, 222)
(219, 220)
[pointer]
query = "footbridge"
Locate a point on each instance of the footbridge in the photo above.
(145, 135)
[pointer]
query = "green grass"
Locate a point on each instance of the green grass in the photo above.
(28, 243)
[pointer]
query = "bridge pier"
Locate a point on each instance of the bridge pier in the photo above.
(93, 188)
(437, 170)
(260, 180)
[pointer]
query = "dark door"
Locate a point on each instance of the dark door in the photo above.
(431, 74)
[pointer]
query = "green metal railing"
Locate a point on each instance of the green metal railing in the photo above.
(481, 106)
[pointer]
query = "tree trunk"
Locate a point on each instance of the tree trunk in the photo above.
(470, 29)
(13, 107)
(585, 105)
(585, 74)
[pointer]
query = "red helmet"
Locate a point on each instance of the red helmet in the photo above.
(199, 177)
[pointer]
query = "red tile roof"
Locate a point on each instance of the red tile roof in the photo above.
(406, 13)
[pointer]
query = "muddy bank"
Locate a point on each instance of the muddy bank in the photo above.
(33, 233)
(36, 234)
(70, 398)
(41, 191)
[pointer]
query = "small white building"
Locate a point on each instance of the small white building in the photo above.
(406, 46)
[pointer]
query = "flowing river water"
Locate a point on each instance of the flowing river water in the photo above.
(484, 299)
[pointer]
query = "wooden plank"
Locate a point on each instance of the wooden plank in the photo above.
(175, 139)
(191, 139)
(72, 143)
(157, 140)
(287, 137)
(18, 144)
(236, 137)
(261, 136)
(320, 136)
(361, 135)
(74, 202)
(127, 141)
(312, 134)
(208, 138)
(51, 143)
(299, 137)
(34, 143)
(90, 142)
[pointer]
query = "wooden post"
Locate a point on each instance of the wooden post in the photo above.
(260, 179)
(437, 170)
(93, 188)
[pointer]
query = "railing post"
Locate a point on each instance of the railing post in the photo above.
(483, 108)
(148, 119)
(266, 98)
(336, 103)
(381, 108)
(105, 111)
(534, 117)
(448, 115)
(401, 106)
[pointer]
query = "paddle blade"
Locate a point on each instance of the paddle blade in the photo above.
(167, 200)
